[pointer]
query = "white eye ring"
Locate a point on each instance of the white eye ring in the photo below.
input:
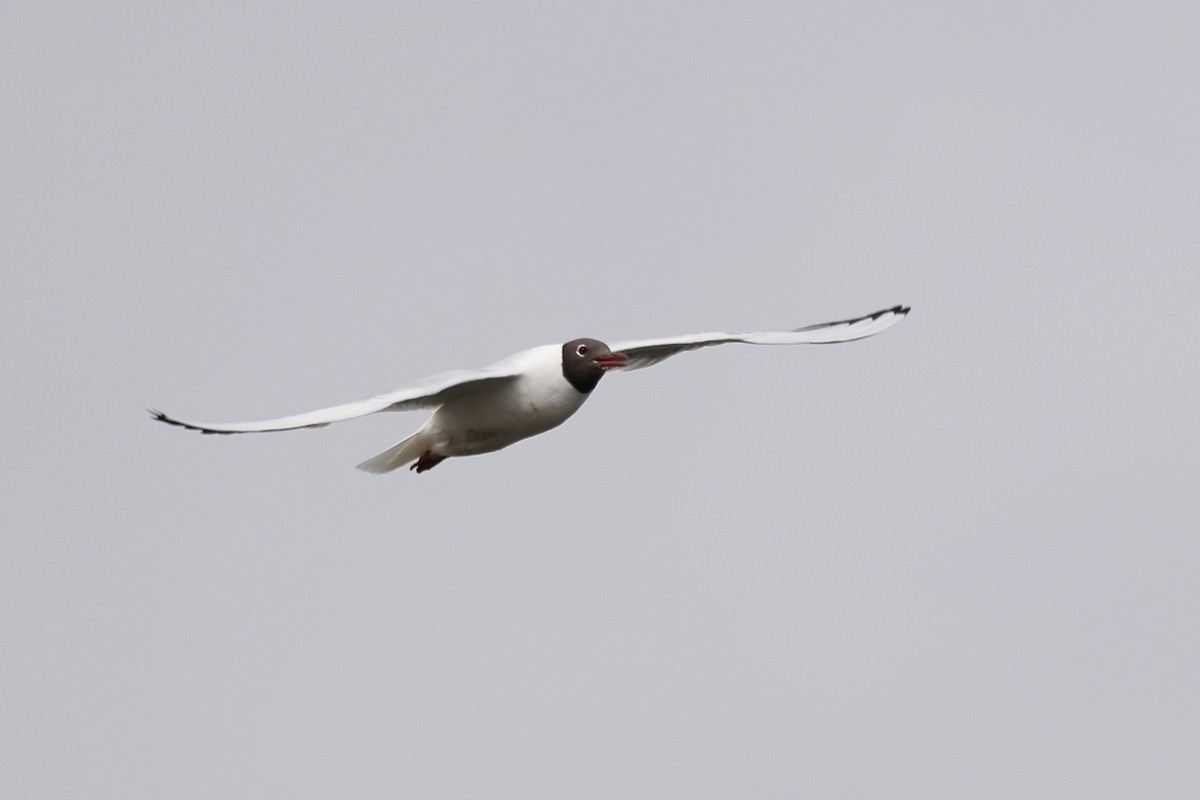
(581, 350)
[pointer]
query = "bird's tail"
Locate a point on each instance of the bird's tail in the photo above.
(397, 456)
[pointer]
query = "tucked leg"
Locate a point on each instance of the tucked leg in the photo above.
(428, 460)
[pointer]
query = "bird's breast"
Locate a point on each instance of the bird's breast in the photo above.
(486, 421)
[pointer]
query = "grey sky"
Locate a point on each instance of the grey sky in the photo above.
(958, 560)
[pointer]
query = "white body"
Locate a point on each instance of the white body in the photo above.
(503, 414)
(495, 415)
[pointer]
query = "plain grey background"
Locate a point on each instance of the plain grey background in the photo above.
(958, 560)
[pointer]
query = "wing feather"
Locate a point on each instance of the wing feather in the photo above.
(648, 352)
(429, 393)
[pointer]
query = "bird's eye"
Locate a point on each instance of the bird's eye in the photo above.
(581, 350)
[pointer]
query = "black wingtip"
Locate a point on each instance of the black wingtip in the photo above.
(161, 417)
(900, 311)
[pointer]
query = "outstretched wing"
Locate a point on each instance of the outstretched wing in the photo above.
(648, 352)
(429, 393)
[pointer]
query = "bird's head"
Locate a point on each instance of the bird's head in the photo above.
(584, 362)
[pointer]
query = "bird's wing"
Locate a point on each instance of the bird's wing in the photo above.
(648, 352)
(428, 393)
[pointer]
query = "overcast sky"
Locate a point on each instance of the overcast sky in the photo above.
(958, 560)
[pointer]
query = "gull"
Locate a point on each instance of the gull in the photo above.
(530, 392)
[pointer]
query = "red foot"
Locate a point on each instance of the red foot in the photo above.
(427, 461)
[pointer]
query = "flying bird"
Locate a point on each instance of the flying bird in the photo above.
(530, 392)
